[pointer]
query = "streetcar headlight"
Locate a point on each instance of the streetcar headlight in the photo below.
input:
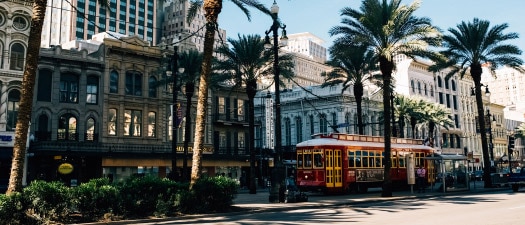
(306, 177)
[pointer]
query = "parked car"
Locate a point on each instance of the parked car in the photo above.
(476, 175)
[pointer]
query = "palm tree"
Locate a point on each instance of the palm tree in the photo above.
(353, 64)
(436, 114)
(468, 47)
(212, 9)
(388, 28)
(244, 64)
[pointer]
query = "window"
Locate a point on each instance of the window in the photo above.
(287, 132)
(20, 23)
(152, 124)
(12, 109)
(453, 84)
(152, 83)
(323, 126)
(440, 82)
(240, 140)
(347, 122)
(17, 57)
(133, 83)
(45, 84)
(312, 125)
(90, 129)
(113, 82)
(299, 129)
(69, 88)
(413, 86)
(112, 122)
(240, 109)
(67, 128)
(222, 139)
(221, 106)
(334, 121)
(318, 158)
(92, 90)
(132, 123)
(419, 87)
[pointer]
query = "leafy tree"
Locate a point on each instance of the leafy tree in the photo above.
(470, 46)
(388, 28)
(243, 65)
(353, 65)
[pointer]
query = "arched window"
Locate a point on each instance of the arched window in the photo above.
(67, 128)
(440, 82)
(90, 130)
(45, 84)
(152, 83)
(69, 88)
(134, 83)
(323, 125)
(92, 90)
(113, 82)
(419, 87)
(413, 86)
(133, 123)
(453, 84)
(17, 57)
(13, 99)
(299, 129)
(426, 91)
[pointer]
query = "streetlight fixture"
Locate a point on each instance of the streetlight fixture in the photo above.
(278, 186)
(175, 106)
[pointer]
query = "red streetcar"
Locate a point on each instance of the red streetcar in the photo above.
(339, 163)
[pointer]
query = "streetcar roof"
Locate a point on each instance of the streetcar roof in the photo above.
(318, 142)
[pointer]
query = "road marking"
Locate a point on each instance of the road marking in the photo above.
(519, 207)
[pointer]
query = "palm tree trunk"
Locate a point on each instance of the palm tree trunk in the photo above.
(212, 9)
(26, 101)
(358, 93)
(386, 67)
(190, 87)
(251, 90)
(476, 71)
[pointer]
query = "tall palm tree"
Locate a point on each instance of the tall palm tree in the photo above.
(436, 114)
(388, 28)
(244, 64)
(468, 47)
(212, 9)
(353, 65)
(26, 99)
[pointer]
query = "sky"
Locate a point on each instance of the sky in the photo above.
(318, 16)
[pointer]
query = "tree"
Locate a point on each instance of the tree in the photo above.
(353, 65)
(470, 46)
(212, 9)
(26, 99)
(388, 28)
(244, 64)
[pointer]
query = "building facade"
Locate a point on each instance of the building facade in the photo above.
(15, 20)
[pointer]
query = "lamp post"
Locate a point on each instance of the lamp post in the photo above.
(175, 107)
(488, 123)
(277, 190)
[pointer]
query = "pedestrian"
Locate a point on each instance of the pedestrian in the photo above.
(420, 176)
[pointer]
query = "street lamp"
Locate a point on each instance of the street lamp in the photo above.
(175, 106)
(277, 190)
(488, 122)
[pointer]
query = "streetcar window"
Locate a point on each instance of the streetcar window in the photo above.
(401, 162)
(358, 159)
(393, 158)
(299, 159)
(351, 158)
(318, 158)
(365, 158)
(307, 160)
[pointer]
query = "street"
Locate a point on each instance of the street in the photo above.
(503, 207)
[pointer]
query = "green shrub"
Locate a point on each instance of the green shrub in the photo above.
(95, 198)
(209, 194)
(146, 196)
(12, 210)
(47, 201)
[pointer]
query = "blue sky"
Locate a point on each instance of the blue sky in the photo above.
(318, 16)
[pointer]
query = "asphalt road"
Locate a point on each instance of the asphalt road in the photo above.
(502, 207)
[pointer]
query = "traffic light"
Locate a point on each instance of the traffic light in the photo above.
(511, 144)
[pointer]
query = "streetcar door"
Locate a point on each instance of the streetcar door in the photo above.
(334, 168)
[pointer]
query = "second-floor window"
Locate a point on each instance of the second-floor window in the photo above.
(133, 83)
(113, 82)
(152, 124)
(69, 88)
(132, 123)
(17, 57)
(90, 129)
(222, 105)
(112, 122)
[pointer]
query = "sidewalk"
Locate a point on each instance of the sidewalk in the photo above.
(260, 201)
